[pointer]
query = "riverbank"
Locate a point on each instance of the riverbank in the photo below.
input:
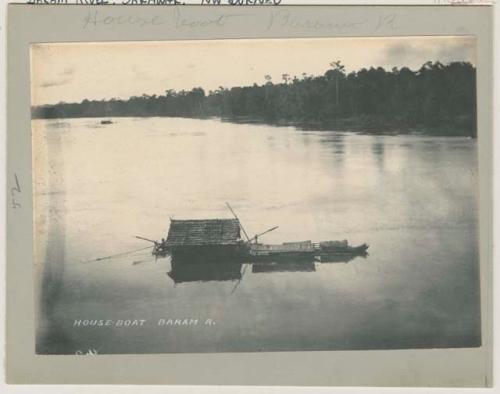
(363, 125)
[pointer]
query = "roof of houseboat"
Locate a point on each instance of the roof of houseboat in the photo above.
(203, 232)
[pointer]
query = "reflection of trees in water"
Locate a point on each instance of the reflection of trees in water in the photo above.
(339, 148)
(336, 143)
(378, 150)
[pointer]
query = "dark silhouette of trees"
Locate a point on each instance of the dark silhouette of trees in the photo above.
(337, 72)
(437, 99)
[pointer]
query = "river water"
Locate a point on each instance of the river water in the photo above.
(412, 198)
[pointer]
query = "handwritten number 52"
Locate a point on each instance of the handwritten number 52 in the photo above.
(14, 192)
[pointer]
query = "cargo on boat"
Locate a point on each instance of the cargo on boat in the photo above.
(219, 241)
(290, 251)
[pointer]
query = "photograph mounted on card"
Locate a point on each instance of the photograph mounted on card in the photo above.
(253, 200)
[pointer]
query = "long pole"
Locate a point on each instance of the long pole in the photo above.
(265, 232)
(239, 221)
(145, 239)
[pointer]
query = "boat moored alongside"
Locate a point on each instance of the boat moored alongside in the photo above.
(220, 241)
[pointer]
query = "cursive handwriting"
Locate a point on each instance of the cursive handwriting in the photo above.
(386, 21)
(284, 18)
(93, 18)
(14, 192)
(182, 22)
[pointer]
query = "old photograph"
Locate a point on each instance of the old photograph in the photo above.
(255, 195)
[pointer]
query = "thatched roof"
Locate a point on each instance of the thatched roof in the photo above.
(203, 232)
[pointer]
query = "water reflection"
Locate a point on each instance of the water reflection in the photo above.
(378, 149)
(337, 143)
(204, 272)
(184, 271)
(340, 258)
(304, 266)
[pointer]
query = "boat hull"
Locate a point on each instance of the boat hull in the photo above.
(349, 250)
(283, 256)
(208, 254)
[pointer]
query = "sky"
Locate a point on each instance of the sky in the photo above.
(71, 72)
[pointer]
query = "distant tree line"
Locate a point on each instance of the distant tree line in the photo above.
(437, 98)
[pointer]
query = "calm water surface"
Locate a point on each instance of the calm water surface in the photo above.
(411, 198)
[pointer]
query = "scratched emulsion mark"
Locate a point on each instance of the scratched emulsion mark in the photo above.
(88, 352)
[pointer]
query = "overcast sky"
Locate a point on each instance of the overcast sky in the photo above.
(74, 71)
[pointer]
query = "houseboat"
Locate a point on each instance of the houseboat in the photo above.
(212, 240)
(219, 241)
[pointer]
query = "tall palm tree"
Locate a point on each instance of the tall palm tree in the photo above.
(339, 68)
